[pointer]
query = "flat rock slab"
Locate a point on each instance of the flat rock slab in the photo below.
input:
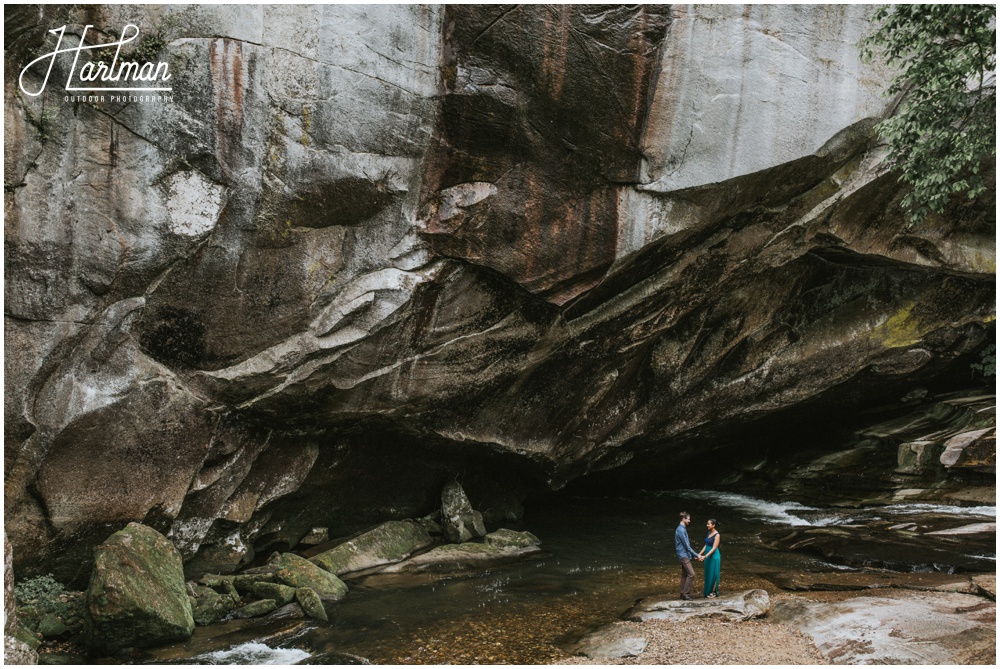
(738, 607)
(460, 557)
(805, 581)
(605, 645)
(900, 628)
(390, 542)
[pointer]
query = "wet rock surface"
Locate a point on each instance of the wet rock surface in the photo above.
(875, 546)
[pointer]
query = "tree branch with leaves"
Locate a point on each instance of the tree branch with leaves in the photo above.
(945, 124)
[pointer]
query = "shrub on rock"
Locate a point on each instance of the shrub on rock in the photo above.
(137, 596)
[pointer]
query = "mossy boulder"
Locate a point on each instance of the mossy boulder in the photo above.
(137, 596)
(282, 594)
(311, 604)
(504, 538)
(245, 583)
(27, 636)
(388, 543)
(51, 626)
(223, 585)
(211, 606)
(301, 573)
(256, 609)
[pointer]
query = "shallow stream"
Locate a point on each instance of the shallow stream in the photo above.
(600, 555)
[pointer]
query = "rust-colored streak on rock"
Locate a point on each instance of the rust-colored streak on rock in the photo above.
(556, 152)
(226, 58)
(555, 44)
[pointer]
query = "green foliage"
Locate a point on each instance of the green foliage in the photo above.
(40, 587)
(987, 366)
(945, 126)
(148, 48)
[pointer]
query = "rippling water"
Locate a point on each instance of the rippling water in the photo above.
(252, 652)
(600, 555)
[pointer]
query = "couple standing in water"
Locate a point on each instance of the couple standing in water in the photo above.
(709, 555)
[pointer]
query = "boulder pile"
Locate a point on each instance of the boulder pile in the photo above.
(138, 596)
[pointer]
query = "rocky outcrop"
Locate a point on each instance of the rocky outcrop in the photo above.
(137, 596)
(363, 250)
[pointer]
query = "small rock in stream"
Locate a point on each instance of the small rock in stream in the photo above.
(311, 604)
(282, 594)
(256, 609)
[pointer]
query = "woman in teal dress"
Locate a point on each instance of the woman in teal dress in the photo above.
(712, 559)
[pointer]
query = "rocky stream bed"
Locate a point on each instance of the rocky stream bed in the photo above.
(905, 574)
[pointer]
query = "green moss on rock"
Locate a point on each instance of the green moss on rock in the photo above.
(137, 596)
(282, 594)
(388, 543)
(256, 609)
(211, 606)
(311, 604)
(301, 573)
(245, 583)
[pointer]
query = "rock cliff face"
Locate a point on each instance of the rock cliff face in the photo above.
(365, 249)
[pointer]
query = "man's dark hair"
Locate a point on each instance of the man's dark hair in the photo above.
(685, 514)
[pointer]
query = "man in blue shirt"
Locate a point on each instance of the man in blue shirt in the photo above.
(685, 554)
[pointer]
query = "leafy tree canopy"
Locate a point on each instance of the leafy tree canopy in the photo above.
(946, 122)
